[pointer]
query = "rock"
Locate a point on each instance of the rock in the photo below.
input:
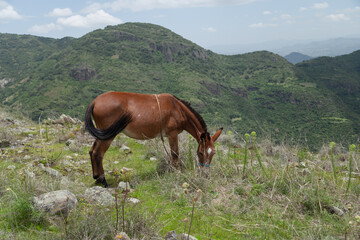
(123, 185)
(42, 131)
(67, 163)
(171, 235)
(4, 82)
(346, 179)
(26, 157)
(100, 196)
(11, 167)
(153, 159)
(184, 236)
(122, 236)
(69, 142)
(50, 171)
(83, 73)
(335, 210)
(125, 149)
(302, 165)
(64, 119)
(29, 174)
(65, 183)
(133, 200)
(56, 202)
(305, 172)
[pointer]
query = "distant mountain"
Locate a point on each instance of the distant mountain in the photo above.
(258, 91)
(296, 57)
(331, 47)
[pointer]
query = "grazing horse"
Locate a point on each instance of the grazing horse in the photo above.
(142, 117)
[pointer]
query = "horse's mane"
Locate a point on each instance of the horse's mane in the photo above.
(197, 115)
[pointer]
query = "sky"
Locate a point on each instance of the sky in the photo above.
(205, 22)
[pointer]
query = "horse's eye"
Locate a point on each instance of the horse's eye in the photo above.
(201, 153)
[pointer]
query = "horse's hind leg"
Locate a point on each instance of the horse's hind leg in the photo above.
(97, 153)
(93, 164)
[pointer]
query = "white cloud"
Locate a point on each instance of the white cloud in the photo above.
(140, 5)
(351, 10)
(209, 29)
(7, 12)
(320, 5)
(266, 12)
(337, 17)
(285, 16)
(261, 25)
(45, 28)
(92, 8)
(60, 12)
(98, 18)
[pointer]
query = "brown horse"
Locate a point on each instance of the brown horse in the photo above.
(142, 116)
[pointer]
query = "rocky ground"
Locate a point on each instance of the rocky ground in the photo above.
(279, 192)
(51, 158)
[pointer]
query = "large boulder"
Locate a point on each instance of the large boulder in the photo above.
(99, 196)
(56, 202)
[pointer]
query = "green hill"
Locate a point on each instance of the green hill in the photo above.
(258, 91)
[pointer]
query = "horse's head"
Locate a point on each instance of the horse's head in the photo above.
(206, 149)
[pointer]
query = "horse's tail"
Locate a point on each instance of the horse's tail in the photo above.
(108, 133)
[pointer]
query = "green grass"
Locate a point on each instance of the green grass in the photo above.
(291, 201)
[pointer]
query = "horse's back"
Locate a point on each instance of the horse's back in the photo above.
(143, 108)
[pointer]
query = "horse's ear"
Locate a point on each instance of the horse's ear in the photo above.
(216, 135)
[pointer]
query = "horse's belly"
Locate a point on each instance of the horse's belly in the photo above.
(142, 133)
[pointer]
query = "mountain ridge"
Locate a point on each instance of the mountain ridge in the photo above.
(258, 91)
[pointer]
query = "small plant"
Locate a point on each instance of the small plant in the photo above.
(22, 214)
(46, 131)
(332, 148)
(352, 149)
(302, 154)
(194, 200)
(348, 223)
(229, 134)
(189, 158)
(247, 137)
(116, 198)
(257, 153)
(123, 171)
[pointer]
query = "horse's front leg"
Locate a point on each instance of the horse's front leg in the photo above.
(174, 146)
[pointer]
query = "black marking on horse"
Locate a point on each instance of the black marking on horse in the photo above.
(198, 116)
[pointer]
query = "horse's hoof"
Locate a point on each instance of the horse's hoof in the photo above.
(102, 180)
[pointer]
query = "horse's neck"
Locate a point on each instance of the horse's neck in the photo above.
(193, 125)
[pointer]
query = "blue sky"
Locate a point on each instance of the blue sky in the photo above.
(205, 22)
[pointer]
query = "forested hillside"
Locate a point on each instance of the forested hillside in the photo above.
(309, 103)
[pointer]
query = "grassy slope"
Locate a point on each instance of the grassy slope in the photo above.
(259, 91)
(292, 199)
